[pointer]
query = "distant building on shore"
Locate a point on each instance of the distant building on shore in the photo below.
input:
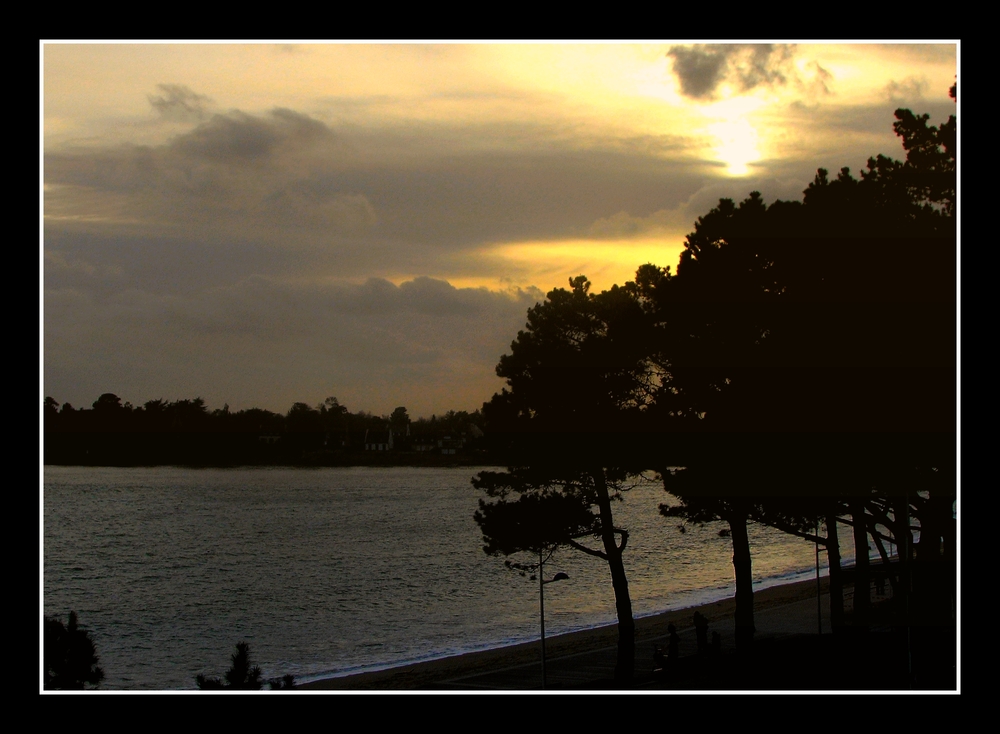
(378, 440)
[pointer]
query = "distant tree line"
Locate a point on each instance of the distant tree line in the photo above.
(116, 433)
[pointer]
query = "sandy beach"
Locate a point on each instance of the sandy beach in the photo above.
(788, 654)
(649, 630)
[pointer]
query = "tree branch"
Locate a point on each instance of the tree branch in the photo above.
(590, 551)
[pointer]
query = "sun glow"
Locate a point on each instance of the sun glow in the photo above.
(551, 264)
(735, 137)
(737, 145)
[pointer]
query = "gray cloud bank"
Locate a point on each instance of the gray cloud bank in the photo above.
(225, 261)
(221, 262)
(178, 103)
(266, 342)
(286, 177)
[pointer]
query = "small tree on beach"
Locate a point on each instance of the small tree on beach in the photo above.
(284, 683)
(70, 656)
(240, 676)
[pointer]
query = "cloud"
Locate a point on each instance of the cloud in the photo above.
(234, 138)
(920, 53)
(284, 193)
(179, 104)
(238, 138)
(287, 195)
(701, 69)
(624, 225)
(277, 256)
(425, 343)
(815, 81)
(909, 90)
(679, 220)
(233, 176)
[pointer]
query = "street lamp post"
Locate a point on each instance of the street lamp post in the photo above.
(541, 603)
(819, 596)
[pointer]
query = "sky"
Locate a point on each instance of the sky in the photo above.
(264, 224)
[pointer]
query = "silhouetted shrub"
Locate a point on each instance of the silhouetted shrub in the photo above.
(70, 656)
(241, 675)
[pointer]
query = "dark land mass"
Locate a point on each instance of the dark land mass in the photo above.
(186, 433)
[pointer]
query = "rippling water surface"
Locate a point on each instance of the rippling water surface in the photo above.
(331, 571)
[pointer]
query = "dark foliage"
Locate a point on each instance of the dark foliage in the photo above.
(186, 432)
(70, 656)
(578, 386)
(241, 676)
(800, 366)
(284, 683)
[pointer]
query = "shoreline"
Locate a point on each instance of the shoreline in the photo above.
(432, 672)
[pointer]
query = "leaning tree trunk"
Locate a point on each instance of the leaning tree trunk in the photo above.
(836, 576)
(742, 566)
(625, 664)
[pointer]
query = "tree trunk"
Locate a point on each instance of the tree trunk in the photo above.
(936, 588)
(625, 664)
(742, 566)
(836, 577)
(862, 578)
(904, 548)
(948, 559)
(877, 540)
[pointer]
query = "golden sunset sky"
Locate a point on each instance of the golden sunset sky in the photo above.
(260, 224)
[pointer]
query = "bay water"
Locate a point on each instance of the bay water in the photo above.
(333, 571)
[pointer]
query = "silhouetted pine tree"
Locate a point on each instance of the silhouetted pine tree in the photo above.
(241, 675)
(70, 656)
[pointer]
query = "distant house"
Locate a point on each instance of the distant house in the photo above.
(439, 444)
(424, 444)
(378, 440)
(451, 445)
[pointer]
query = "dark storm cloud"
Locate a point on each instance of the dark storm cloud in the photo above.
(178, 103)
(700, 69)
